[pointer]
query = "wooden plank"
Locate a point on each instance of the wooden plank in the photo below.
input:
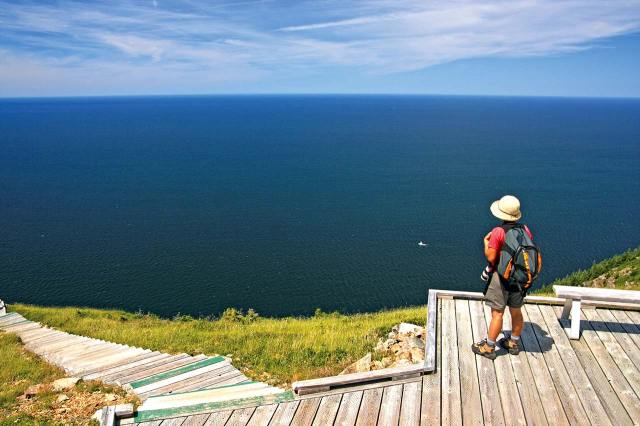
(196, 420)
(634, 316)
(623, 390)
(497, 382)
(327, 410)
(451, 402)
(240, 417)
(108, 417)
(176, 421)
(564, 358)
(309, 386)
(262, 415)
(159, 369)
(430, 410)
(624, 363)
(601, 294)
(598, 381)
(133, 369)
(469, 387)
(369, 407)
(569, 397)
(218, 418)
(191, 381)
(390, 405)
(410, 408)
(531, 402)
(625, 321)
(621, 335)
(143, 359)
(348, 410)
(143, 356)
(306, 412)
(551, 401)
(284, 414)
(432, 320)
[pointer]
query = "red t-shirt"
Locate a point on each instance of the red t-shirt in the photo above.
(496, 240)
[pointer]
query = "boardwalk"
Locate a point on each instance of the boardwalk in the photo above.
(554, 381)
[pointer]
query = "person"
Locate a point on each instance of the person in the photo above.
(497, 297)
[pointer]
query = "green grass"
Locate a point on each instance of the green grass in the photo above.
(612, 267)
(278, 351)
(19, 371)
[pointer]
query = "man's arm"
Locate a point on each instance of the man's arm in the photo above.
(490, 253)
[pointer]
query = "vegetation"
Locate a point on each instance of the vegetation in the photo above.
(620, 271)
(278, 351)
(22, 370)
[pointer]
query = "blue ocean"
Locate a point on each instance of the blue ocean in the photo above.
(285, 204)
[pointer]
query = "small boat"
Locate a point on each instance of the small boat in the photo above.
(421, 244)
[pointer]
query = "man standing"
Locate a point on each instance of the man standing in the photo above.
(499, 295)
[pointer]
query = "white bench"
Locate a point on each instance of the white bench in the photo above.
(575, 295)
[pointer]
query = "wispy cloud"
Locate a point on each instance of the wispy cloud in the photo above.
(230, 42)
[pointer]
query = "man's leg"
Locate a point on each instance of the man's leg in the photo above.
(517, 322)
(495, 327)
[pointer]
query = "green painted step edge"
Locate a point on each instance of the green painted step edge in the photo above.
(150, 415)
(246, 382)
(176, 371)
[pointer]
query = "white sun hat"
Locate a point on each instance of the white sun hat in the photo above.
(507, 208)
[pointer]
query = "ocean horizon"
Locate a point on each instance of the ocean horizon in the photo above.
(288, 203)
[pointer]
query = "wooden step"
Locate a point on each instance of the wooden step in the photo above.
(21, 326)
(96, 372)
(178, 374)
(178, 382)
(210, 379)
(10, 319)
(137, 369)
(159, 369)
(125, 355)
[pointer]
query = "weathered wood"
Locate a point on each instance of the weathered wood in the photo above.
(369, 407)
(600, 294)
(634, 316)
(176, 421)
(218, 418)
(185, 382)
(624, 363)
(262, 415)
(240, 417)
(432, 324)
(327, 410)
(599, 382)
(623, 390)
(318, 385)
(108, 417)
(565, 361)
(489, 372)
(625, 321)
(196, 420)
(551, 401)
(134, 369)
(410, 408)
(158, 369)
(572, 309)
(469, 387)
(390, 405)
(451, 403)
(620, 334)
(570, 401)
(306, 412)
(348, 410)
(526, 386)
(284, 413)
(122, 365)
(430, 411)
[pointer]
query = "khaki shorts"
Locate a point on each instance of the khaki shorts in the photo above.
(497, 297)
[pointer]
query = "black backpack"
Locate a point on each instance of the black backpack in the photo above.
(520, 259)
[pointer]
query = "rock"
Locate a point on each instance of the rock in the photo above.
(362, 365)
(62, 398)
(415, 342)
(34, 390)
(396, 348)
(401, 363)
(110, 397)
(404, 355)
(408, 328)
(64, 384)
(386, 361)
(377, 365)
(417, 355)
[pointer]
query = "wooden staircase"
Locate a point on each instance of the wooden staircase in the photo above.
(162, 381)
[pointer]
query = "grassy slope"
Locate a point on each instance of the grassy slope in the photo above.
(287, 349)
(624, 268)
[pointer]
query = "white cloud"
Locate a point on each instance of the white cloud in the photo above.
(234, 41)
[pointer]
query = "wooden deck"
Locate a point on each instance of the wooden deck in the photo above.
(554, 381)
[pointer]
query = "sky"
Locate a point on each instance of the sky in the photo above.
(476, 47)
